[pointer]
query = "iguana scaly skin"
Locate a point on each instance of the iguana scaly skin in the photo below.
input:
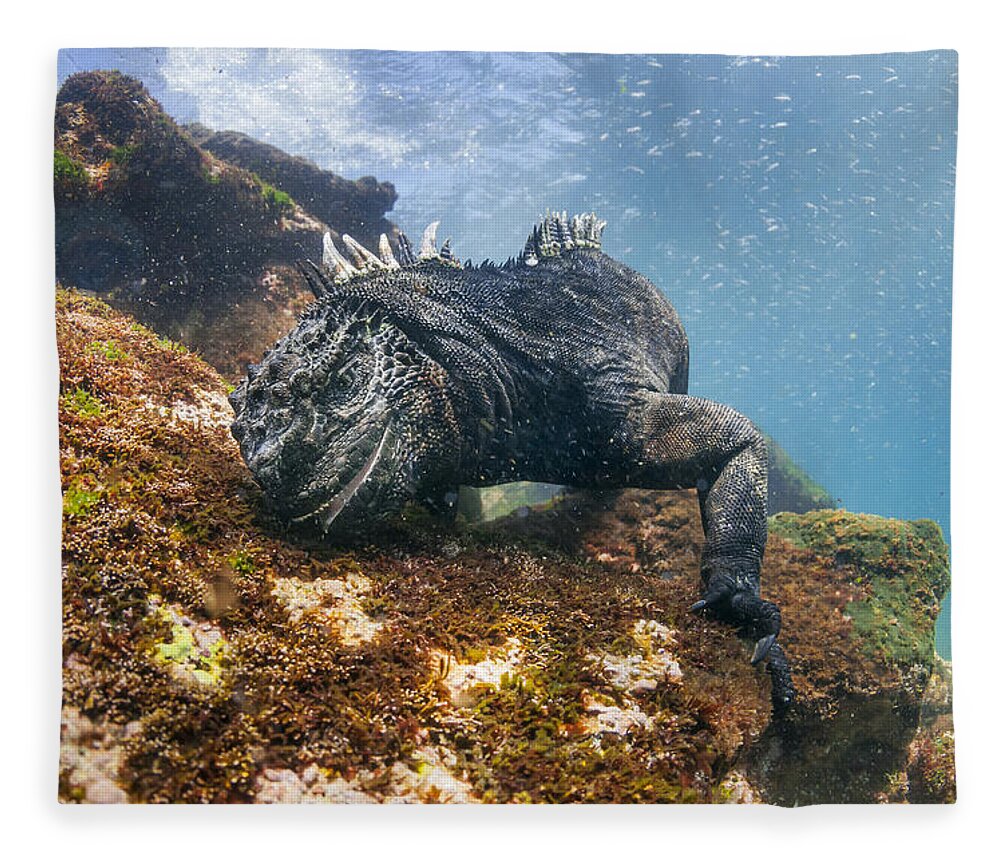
(409, 377)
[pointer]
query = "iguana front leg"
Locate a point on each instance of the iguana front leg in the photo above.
(683, 442)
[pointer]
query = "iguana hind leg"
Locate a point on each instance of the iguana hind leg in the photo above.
(682, 442)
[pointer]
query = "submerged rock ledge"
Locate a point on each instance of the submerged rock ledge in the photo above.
(547, 656)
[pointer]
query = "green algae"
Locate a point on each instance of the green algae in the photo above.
(78, 500)
(242, 562)
(273, 195)
(121, 155)
(203, 665)
(172, 345)
(82, 402)
(108, 349)
(68, 172)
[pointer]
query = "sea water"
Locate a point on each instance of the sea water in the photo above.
(797, 211)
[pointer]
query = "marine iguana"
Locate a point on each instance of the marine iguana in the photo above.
(409, 377)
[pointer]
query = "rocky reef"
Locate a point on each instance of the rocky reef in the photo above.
(545, 656)
(200, 248)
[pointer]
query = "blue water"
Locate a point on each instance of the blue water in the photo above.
(797, 211)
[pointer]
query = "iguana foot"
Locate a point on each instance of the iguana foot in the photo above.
(741, 607)
(758, 619)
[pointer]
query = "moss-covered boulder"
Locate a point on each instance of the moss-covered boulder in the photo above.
(140, 205)
(890, 576)
(903, 566)
(548, 656)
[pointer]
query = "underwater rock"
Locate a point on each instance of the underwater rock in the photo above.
(201, 249)
(356, 207)
(467, 682)
(602, 687)
(194, 651)
(928, 774)
(644, 671)
(337, 602)
(789, 488)
(89, 759)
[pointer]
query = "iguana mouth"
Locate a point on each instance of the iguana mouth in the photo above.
(326, 513)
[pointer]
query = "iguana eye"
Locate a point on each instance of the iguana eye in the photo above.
(280, 394)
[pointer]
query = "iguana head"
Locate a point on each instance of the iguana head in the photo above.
(346, 417)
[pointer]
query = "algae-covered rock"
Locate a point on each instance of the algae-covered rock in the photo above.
(928, 774)
(891, 576)
(547, 656)
(903, 566)
(198, 247)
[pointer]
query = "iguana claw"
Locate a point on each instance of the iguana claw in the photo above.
(761, 619)
(763, 648)
(719, 591)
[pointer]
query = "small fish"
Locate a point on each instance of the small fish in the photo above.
(568, 179)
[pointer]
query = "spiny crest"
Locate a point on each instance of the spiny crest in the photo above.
(556, 233)
(338, 270)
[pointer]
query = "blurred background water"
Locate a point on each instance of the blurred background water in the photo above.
(797, 211)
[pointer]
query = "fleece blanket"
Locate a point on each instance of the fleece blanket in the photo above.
(504, 427)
